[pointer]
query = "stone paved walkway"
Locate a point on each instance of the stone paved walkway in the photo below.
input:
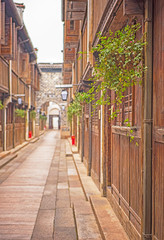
(41, 197)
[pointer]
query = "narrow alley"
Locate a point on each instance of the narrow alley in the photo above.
(41, 196)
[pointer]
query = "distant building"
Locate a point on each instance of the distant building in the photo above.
(19, 77)
(49, 100)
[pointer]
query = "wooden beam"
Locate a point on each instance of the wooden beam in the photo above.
(77, 1)
(76, 6)
(133, 7)
(75, 15)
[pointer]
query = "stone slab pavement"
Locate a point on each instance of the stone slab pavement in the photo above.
(41, 196)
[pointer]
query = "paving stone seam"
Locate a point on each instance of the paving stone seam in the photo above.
(53, 234)
(80, 179)
(75, 221)
(97, 220)
(43, 195)
(56, 193)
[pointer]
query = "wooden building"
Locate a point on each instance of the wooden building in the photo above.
(19, 76)
(129, 173)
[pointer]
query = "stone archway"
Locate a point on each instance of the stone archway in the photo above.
(54, 116)
(52, 76)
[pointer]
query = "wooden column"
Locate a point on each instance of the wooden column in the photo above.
(148, 83)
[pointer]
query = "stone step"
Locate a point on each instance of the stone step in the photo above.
(7, 159)
(109, 225)
(87, 229)
(68, 150)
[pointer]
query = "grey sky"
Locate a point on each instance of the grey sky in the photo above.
(43, 22)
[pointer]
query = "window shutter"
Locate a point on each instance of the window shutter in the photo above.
(2, 24)
(24, 65)
(14, 41)
(6, 49)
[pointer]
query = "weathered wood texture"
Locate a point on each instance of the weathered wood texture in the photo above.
(19, 131)
(96, 137)
(4, 83)
(71, 36)
(158, 122)
(126, 177)
(133, 7)
(9, 127)
(84, 46)
(107, 142)
(86, 134)
(126, 156)
(74, 133)
(1, 134)
(99, 7)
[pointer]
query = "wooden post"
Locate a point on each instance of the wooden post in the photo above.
(82, 135)
(4, 127)
(104, 164)
(90, 140)
(147, 158)
(14, 126)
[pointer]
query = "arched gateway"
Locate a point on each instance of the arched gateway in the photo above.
(49, 101)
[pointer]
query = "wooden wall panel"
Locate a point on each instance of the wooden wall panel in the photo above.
(158, 122)
(86, 141)
(124, 167)
(1, 134)
(99, 7)
(135, 184)
(7, 48)
(116, 161)
(4, 80)
(158, 191)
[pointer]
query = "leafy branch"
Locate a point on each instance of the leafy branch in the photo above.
(119, 66)
(1, 105)
(75, 108)
(20, 113)
(32, 114)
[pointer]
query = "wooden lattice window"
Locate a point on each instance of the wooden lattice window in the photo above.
(95, 114)
(72, 25)
(124, 114)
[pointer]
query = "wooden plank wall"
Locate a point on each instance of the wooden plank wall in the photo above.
(1, 135)
(96, 144)
(99, 7)
(158, 121)
(86, 134)
(4, 74)
(126, 155)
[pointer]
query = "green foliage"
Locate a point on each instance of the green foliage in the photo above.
(20, 113)
(42, 117)
(119, 66)
(120, 63)
(32, 114)
(75, 108)
(1, 105)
